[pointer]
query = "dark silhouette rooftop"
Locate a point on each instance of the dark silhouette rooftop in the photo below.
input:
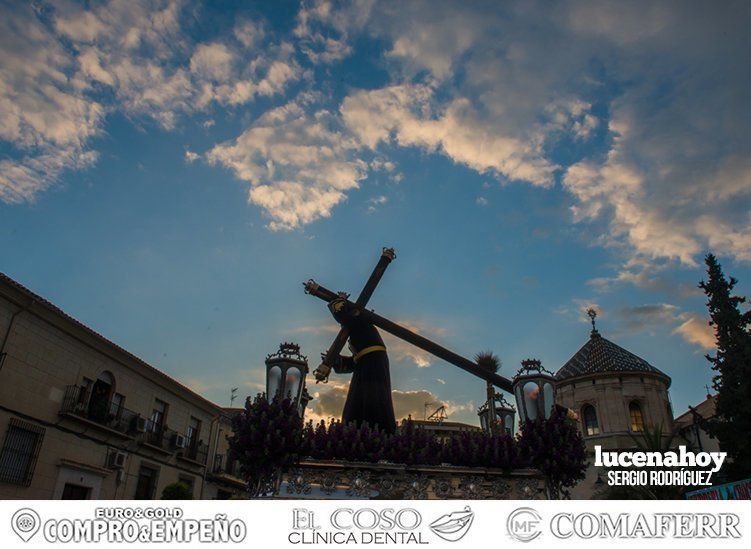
(600, 355)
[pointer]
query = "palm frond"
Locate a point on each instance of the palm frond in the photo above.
(488, 361)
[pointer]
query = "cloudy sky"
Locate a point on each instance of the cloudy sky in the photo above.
(171, 171)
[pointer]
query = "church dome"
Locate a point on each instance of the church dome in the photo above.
(600, 356)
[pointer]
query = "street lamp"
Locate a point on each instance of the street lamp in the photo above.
(285, 375)
(504, 416)
(534, 390)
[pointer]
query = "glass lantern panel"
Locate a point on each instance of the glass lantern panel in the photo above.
(484, 421)
(519, 401)
(508, 423)
(531, 398)
(273, 381)
(547, 392)
(292, 383)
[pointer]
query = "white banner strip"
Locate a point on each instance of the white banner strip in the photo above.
(306, 523)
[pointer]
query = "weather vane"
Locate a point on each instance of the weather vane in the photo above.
(592, 316)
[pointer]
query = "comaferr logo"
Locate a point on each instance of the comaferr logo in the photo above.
(525, 524)
(640, 525)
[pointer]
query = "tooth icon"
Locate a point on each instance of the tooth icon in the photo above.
(25, 523)
(453, 526)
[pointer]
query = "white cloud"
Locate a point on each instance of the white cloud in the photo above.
(191, 157)
(494, 89)
(51, 79)
(696, 330)
(656, 90)
(649, 316)
(376, 201)
(406, 114)
(42, 112)
(299, 164)
(323, 28)
(212, 62)
(249, 33)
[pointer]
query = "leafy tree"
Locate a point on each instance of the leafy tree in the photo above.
(732, 362)
(177, 490)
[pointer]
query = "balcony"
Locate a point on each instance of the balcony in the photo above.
(157, 437)
(99, 413)
(227, 471)
(197, 452)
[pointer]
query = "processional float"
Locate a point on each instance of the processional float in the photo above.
(532, 386)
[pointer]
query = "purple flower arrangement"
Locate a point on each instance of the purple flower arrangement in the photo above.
(270, 437)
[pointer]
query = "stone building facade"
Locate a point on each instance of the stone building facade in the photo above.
(224, 474)
(616, 395)
(81, 418)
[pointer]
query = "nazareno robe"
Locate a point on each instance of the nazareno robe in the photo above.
(369, 395)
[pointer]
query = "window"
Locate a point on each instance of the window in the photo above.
(194, 432)
(637, 420)
(99, 401)
(158, 415)
(218, 463)
(146, 486)
(20, 451)
(589, 414)
(116, 407)
(231, 468)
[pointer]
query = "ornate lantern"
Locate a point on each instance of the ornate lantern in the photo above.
(504, 416)
(285, 375)
(534, 389)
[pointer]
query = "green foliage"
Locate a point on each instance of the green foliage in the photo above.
(732, 362)
(177, 490)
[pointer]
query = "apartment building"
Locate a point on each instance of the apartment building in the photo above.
(224, 476)
(82, 418)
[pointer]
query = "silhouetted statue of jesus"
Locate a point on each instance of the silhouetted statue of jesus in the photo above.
(369, 395)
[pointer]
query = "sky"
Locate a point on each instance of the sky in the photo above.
(171, 171)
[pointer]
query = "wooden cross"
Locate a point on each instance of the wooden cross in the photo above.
(324, 369)
(322, 372)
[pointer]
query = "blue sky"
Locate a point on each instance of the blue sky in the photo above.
(170, 172)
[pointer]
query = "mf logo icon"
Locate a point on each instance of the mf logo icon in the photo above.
(524, 524)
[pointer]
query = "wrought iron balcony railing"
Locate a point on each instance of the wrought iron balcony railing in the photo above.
(79, 403)
(223, 465)
(196, 451)
(158, 435)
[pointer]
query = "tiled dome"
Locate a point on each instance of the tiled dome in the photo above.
(599, 355)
